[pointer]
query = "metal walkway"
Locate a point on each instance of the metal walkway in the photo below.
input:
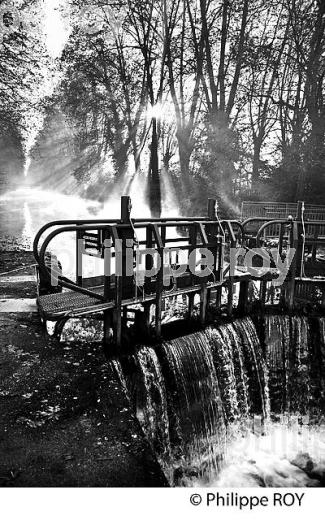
(118, 291)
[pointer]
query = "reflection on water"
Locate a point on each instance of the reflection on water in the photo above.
(27, 232)
(24, 211)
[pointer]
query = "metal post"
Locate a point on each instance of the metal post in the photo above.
(290, 292)
(243, 297)
(79, 250)
(118, 297)
(204, 297)
(230, 296)
(127, 237)
(212, 209)
(148, 259)
(147, 281)
(108, 325)
(192, 242)
(263, 293)
(281, 236)
(159, 280)
(218, 297)
(219, 268)
(212, 233)
(146, 319)
(126, 207)
(301, 237)
(314, 245)
(117, 315)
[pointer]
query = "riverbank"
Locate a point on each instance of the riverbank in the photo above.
(64, 417)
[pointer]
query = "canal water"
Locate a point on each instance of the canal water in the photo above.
(25, 210)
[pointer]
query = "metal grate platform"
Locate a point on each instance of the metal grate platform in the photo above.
(54, 306)
(69, 304)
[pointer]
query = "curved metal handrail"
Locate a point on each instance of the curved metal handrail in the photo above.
(100, 225)
(62, 280)
(258, 219)
(78, 222)
(62, 223)
(267, 224)
(315, 223)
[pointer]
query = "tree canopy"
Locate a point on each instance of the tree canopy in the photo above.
(221, 97)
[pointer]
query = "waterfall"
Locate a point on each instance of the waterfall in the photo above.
(197, 428)
(241, 369)
(295, 358)
(322, 360)
(197, 395)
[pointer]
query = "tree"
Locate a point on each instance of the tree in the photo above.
(23, 62)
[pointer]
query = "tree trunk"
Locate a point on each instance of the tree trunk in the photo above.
(154, 177)
(256, 160)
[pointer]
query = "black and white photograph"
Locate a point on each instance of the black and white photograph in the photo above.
(162, 257)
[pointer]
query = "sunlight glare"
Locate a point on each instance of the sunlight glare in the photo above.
(27, 165)
(55, 28)
(155, 111)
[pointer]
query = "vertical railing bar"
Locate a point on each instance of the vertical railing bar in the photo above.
(117, 314)
(159, 281)
(107, 315)
(79, 259)
(193, 243)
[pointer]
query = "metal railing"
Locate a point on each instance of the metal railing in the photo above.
(281, 210)
(179, 237)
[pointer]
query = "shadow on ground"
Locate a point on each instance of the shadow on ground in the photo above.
(64, 417)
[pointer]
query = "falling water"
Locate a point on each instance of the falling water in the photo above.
(149, 394)
(322, 360)
(291, 450)
(295, 358)
(241, 369)
(211, 402)
(197, 429)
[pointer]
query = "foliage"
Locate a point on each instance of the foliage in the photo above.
(226, 97)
